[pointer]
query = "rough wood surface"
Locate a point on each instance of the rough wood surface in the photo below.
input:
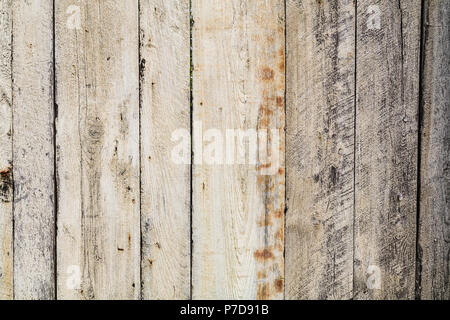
(96, 188)
(319, 149)
(6, 185)
(434, 228)
(97, 76)
(165, 109)
(387, 81)
(238, 211)
(33, 156)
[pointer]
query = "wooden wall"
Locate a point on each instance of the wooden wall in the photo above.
(116, 123)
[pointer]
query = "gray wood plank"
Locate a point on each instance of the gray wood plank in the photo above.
(97, 76)
(320, 149)
(165, 184)
(387, 78)
(6, 185)
(434, 229)
(33, 151)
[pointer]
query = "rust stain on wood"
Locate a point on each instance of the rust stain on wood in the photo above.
(263, 254)
(266, 74)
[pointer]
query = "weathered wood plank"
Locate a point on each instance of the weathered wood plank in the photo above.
(97, 76)
(33, 151)
(6, 185)
(320, 149)
(165, 184)
(387, 78)
(238, 206)
(434, 228)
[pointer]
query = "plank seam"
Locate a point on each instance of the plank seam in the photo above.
(418, 260)
(55, 171)
(141, 284)
(191, 120)
(12, 150)
(354, 143)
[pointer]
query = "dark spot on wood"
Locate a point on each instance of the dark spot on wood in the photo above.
(266, 74)
(262, 255)
(279, 285)
(280, 101)
(120, 249)
(142, 68)
(333, 175)
(6, 185)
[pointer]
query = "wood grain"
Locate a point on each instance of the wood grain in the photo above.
(387, 80)
(33, 151)
(320, 149)
(6, 179)
(97, 74)
(165, 184)
(434, 228)
(238, 206)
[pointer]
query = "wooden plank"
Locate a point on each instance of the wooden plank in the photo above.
(238, 204)
(387, 78)
(97, 76)
(320, 149)
(33, 151)
(434, 228)
(165, 184)
(6, 185)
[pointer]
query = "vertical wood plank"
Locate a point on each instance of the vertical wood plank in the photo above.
(165, 184)
(97, 76)
(238, 206)
(6, 185)
(434, 230)
(320, 149)
(387, 77)
(33, 152)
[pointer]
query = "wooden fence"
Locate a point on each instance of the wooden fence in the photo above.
(96, 98)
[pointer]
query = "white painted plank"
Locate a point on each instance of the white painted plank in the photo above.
(238, 212)
(165, 184)
(33, 150)
(6, 185)
(97, 76)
